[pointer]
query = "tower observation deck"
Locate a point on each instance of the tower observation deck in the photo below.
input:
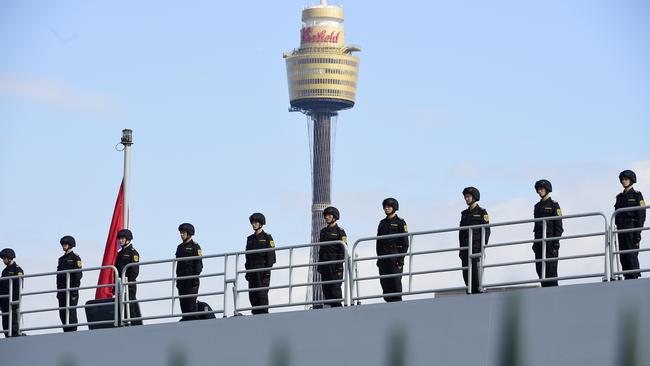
(322, 78)
(322, 73)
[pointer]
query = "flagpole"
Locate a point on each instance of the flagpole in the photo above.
(127, 141)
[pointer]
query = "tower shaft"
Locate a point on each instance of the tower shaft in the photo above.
(321, 186)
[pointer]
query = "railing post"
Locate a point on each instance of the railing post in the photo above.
(127, 309)
(20, 302)
(346, 276)
(469, 260)
(67, 298)
(118, 296)
(235, 293)
(410, 237)
(355, 281)
(607, 260)
(225, 284)
(615, 257)
(10, 307)
(480, 264)
(543, 251)
(290, 274)
(173, 284)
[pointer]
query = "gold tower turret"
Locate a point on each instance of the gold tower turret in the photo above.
(322, 73)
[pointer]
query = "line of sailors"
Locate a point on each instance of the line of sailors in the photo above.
(331, 273)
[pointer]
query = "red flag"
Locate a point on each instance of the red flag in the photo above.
(107, 276)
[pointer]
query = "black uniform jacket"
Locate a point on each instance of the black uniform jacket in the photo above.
(69, 261)
(262, 240)
(469, 217)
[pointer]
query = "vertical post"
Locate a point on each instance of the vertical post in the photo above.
(616, 257)
(543, 250)
(10, 307)
(20, 302)
(225, 284)
(469, 260)
(346, 277)
(290, 273)
(127, 141)
(173, 283)
(410, 238)
(608, 257)
(480, 264)
(356, 276)
(127, 309)
(67, 298)
(118, 296)
(235, 293)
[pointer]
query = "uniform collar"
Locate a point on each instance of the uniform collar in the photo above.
(477, 207)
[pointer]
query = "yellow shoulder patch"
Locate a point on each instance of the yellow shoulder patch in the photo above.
(486, 218)
(20, 273)
(200, 254)
(559, 212)
(406, 228)
(272, 244)
(78, 264)
(136, 258)
(344, 239)
(642, 203)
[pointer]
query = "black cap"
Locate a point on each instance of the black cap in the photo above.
(332, 211)
(257, 217)
(473, 192)
(126, 233)
(627, 174)
(7, 253)
(390, 202)
(186, 227)
(544, 183)
(68, 240)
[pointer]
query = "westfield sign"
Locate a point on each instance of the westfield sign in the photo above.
(308, 35)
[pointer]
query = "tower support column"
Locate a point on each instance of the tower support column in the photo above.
(321, 186)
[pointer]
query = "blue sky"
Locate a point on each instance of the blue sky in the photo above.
(492, 94)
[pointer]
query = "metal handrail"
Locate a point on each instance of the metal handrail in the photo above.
(345, 281)
(351, 276)
(615, 252)
(67, 290)
(544, 239)
(234, 281)
(173, 278)
(481, 265)
(410, 254)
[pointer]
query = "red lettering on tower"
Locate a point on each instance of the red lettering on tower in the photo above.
(308, 35)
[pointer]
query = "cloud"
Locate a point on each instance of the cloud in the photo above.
(58, 94)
